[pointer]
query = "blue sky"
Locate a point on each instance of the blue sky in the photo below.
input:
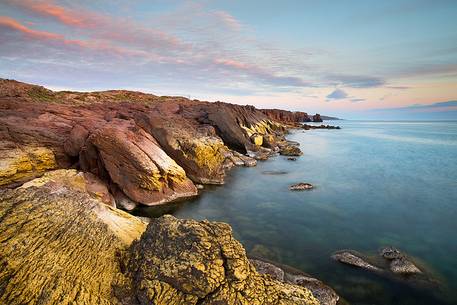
(345, 58)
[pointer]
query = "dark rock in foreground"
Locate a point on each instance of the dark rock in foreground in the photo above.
(322, 292)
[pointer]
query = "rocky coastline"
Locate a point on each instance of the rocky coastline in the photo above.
(70, 160)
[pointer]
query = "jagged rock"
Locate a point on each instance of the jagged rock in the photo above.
(354, 259)
(136, 163)
(317, 118)
(302, 186)
(286, 116)
(390, 253)
(189, 262)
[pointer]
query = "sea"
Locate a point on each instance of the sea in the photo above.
(376, 184)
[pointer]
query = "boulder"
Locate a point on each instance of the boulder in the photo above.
(61, 246)
(135, 162)
(290, 150)
(179, 261)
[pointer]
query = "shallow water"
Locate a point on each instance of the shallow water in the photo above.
(376, 184)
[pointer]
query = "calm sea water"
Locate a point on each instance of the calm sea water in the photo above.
(376, 184)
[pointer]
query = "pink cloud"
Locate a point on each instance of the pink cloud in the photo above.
(81, 19)
(228, 20)
(100, 26)
(15, 25)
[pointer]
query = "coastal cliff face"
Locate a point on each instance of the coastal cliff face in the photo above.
(68, 159)
(146, 148)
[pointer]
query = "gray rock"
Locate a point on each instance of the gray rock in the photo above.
(267, 268)
(351, 258)
(403, 266)
(322, 292)
(390, 253)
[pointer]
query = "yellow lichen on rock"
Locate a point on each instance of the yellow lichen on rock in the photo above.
(56, 249)
(190, 262)
(21, 164)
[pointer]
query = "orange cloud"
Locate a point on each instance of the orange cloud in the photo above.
(15, 25)
(80, 19)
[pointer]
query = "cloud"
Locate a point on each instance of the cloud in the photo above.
(439, 107)
(12, 24)
(337, 94)
(356, 100)
(355, 81)
(228, 20)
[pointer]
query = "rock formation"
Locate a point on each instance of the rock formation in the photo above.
(147, 149)
(61, 245)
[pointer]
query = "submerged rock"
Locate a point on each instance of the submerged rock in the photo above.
(292, 159)
(354, 259)
(400, 263)
(302, 186)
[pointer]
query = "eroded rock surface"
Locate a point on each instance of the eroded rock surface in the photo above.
(62, 246)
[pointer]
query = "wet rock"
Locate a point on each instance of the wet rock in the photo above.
(302, 186)
(390, 253)
(354, 259)
(292, 159)
(290, 150)
(200, 186)
(403, 266)
(274, 172)
(400, 263)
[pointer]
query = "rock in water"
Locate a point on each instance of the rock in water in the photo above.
(302, 186)
(400, 263)
(61, 246)
(290, 150)
(352, 258)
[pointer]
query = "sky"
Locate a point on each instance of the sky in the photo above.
(352, 59)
